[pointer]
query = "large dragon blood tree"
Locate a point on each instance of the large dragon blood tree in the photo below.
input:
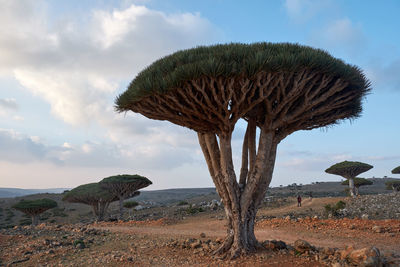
(349, 170)
(35, 207)
(124, 186)
(277, 88)
(94, 195)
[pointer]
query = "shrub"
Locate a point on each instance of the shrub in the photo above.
(194, 210)
(182, 203)
(334, 210)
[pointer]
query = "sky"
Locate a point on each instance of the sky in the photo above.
(62, 64)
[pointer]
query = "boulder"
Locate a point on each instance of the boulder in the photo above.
(366, 257)
(274, 244)
(302, 246)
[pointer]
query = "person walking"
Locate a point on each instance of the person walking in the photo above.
(298, 201)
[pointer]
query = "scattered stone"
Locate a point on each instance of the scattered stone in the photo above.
(302, 246)
(346, 252)
(274, 244)
(368, 257)
(365, 216)
(377, 229)
(202, 235)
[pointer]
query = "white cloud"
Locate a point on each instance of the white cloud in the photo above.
(77, 68)
(384, 75)
(341, 35)
(303, 10)
(8, 103)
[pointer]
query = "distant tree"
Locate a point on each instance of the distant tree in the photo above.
(124, 186)
(34, 208)
(357, 183)
(349, 170)
(393, 185)
(396, 170)
(130, 204)
(94, 195)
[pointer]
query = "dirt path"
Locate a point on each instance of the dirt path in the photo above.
(285, 231)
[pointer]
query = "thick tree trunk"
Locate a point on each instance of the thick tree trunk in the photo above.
(121, 208)
(241, 200)
(35, 219)
(351, 187)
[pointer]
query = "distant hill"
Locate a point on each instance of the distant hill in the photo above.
(168, 196)
(18, 192)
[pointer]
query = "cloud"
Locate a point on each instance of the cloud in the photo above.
(19, 148)
(384, 76)
(8, 103)
(340, 35)
(303, 10)
(77, 66)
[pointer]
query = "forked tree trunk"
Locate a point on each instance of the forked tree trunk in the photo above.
(241, 200)
(35, 219)
(351, 187)
(356, 189)
(121, 207)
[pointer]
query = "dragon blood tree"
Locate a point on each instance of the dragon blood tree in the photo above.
(358, 182)
(124, 186)
(349, 170)
(277, 88)
(94, 195)
(394, 184)
(35, 207)
(396, 170)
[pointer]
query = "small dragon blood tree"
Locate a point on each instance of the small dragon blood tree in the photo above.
(124, 186)
(394, 184)
(349, 170)
(396, 170)
(35, 207)
(277, 88)
(358, 182)
(94, 195)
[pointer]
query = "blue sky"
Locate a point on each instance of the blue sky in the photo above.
(62, 63)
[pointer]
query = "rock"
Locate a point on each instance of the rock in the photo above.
(219, 240)
(202, 235)
(302, 245)
(367, 257)
(336, 264)
(352, 227)
(328, 251)
(346, 252)
(287, 218)
(195, 244)
(365, 216)
(377, 229)
(274, 244)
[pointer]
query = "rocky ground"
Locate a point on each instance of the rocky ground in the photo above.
(381, 206)
(290, 236)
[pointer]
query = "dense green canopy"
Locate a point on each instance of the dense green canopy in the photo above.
(235, 59)
(130, 204)
(396, 170)
(358, 182)
(127, 178)
(89, 194)
(35, 206)
(348, 169)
